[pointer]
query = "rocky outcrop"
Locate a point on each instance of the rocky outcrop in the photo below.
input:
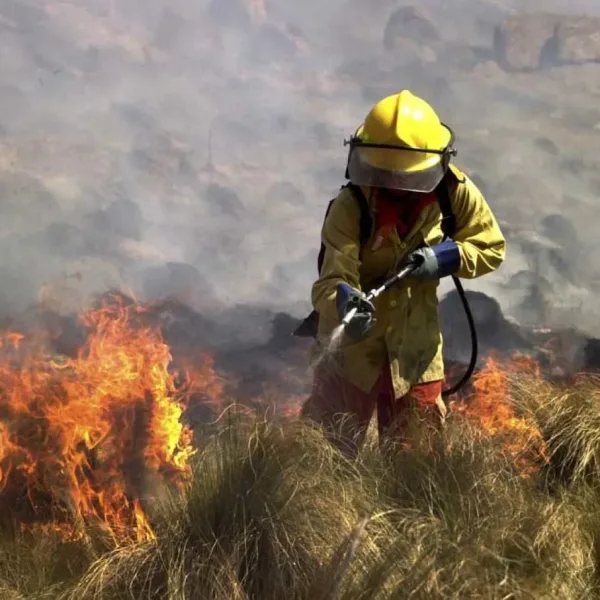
(521, 42)
(409, 23)
(526, 42)
(496, 335)
(578, 40)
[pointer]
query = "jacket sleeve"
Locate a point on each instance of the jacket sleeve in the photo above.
(480, 241)
(341, 237)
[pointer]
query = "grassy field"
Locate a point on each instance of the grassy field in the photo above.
(273, 512)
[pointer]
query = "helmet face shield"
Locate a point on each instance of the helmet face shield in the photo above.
(398, 167)
(387, 172)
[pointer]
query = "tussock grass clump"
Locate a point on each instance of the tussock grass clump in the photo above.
(569, 419)
(274, 511)
(42, 563)
(468, 525)
(267, 509)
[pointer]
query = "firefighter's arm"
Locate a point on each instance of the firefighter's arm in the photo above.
(341, 237)
(480, 241)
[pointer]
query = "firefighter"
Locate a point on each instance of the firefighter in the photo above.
(390, 356)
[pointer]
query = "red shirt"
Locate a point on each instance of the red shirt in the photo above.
(401, 214)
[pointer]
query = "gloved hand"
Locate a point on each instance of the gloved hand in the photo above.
(363, 321)
(435, 262)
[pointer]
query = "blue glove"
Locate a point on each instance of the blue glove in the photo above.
(435, 262)
(363, 321)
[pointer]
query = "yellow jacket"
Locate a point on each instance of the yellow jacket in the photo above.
(407, 329)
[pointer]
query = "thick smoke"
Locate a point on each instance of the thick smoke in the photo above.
(189, 149)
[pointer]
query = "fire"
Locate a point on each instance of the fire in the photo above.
(491, 407)
(85, 439)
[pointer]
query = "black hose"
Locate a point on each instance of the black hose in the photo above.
(474, 346)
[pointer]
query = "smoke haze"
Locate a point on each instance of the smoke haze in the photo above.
(191, 147)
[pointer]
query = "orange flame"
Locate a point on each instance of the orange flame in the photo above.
(491, 407)
(81, 440)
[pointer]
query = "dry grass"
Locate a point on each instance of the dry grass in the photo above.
(569, 419)
(274, 512)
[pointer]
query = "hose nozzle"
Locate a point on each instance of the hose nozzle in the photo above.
(349, 316)
(377, 291)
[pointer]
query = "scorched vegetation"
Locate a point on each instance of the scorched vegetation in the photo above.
(105, 494)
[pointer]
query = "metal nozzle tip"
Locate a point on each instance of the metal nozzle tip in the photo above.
(349, 317)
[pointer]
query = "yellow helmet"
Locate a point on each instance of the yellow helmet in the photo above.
(402, 145)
